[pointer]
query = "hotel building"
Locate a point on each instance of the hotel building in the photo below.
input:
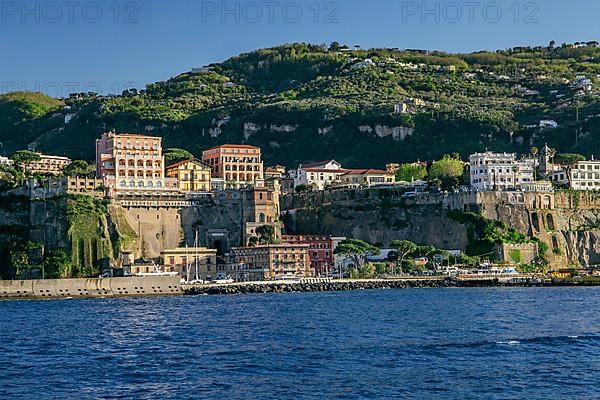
(321, 248)
(500, 171)
(274, 261)
(585, 175)
(128, 161)
(238, 164)
(49, 165)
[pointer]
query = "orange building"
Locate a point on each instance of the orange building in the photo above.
(131, 162)
(273, 261)
(238, 164)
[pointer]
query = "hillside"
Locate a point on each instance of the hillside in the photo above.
(305, 102)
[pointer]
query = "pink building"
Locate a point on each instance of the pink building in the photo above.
(131, 162)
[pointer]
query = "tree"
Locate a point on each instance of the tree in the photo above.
(568, 161)
(25, 157)
(447, 171)
(57, 263)
(266, 234)
(552, 44)
(411, 172)
(356, 250)
(404, 248)
(534, 151)
(79, 168)
(175, 155)
(303, 189)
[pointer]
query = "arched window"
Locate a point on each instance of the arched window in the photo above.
(150, 184)
(122, 184)
(261, 217)
(149, 163)
(159, 184)
(141, 184)
(131, 173)
(121, 163)
(249, 177)
(131, 183)
(140, 163)
(131, 163)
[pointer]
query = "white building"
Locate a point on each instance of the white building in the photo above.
(6, 161)
(318, 175)
(585, 175)
(500, 171)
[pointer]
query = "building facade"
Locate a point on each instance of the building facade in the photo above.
(273, 262)
(318, 175)
(192, 263)
(239, 165)
(321, 248)
(500, 171)
(367, 177)
(584, 175)
(191, 175)
(6, 161)
(131, 162)
(260, 206)
(85, 185)
(48, 165)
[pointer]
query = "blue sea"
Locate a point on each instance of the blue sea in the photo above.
(490, 343)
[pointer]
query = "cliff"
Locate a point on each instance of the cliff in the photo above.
(567, 222)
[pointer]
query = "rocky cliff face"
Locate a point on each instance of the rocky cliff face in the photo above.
(146, 231)
(569, 223)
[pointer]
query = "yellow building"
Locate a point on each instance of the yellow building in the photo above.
(191, 175)
(191, 262)
(367, 177)
(49, 165)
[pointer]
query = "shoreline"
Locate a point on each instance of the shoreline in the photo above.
(152, 287)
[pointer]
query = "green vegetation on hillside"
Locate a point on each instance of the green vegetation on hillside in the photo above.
(303, 102)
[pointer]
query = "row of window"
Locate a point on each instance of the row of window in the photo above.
(586, 176)
(140, 174)
(242, 168)
(137, 146)
(140, 163)
(241, 177)
(588, 167)
(140, 184)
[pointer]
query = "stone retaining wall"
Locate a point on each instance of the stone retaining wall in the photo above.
(93, 287)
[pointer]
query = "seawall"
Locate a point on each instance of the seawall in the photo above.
(92, 287)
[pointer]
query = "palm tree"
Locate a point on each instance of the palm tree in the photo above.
(515, 169)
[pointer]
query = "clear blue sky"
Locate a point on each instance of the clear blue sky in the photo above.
(58, 47)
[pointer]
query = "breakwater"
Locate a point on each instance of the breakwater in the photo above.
(93, 287)
(318, 286)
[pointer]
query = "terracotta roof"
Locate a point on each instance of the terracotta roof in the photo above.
(133, 135)
(177, 164)
(234, 146)
(336, 171)
(366, 172)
